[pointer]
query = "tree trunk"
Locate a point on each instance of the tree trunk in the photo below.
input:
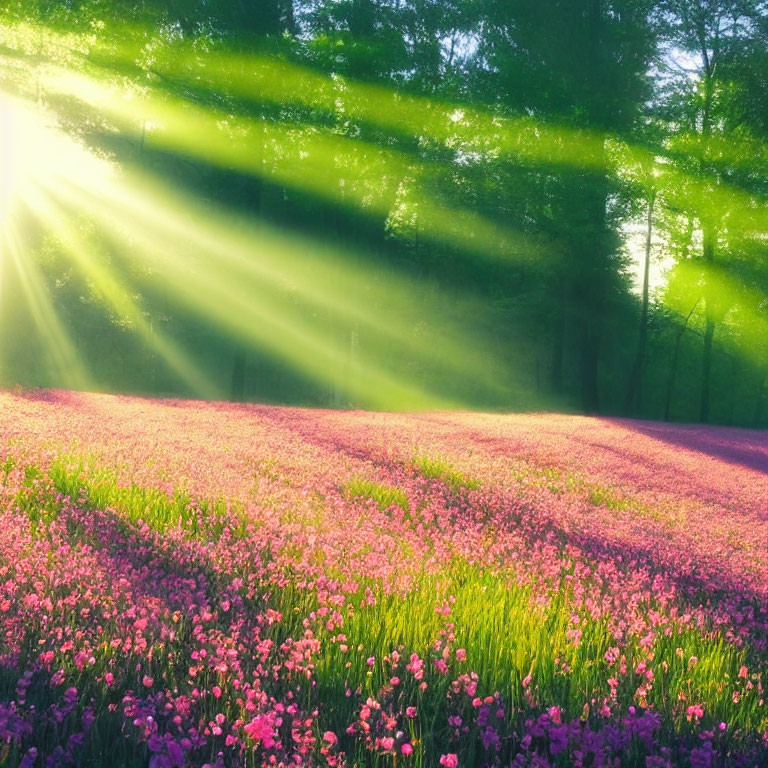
(634, 401)
(590, 359)
(595, 253)
(757, 416)
(673, 367)
(708, 239)
(735, 374)
(709, 332)
(558, 347)
(238, 375)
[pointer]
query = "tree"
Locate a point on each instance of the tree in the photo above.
(704, 35)
(582, 65)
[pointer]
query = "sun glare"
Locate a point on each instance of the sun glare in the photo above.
(37, 156)
(9, 162)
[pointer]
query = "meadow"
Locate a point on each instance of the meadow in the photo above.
(209, 584)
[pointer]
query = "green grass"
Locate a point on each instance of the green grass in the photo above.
(601, 496)
(506, 634)
(87, 483)
(439, 468)
(507, 637)
(560, 482)
(384, 495)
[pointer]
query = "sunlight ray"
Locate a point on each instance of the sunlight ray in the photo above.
(54, 218)
(54, 337)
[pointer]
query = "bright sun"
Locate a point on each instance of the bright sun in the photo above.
(37, 157)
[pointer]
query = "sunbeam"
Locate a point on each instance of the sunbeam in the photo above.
(299, 300)
(384, 156)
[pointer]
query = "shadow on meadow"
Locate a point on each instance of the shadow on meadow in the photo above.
(740, 447)
(701, 579)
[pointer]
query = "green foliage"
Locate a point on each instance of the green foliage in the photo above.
(438, 468)
(85, 481)
(461, 184)
(384, 495)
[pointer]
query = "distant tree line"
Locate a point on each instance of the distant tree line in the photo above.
(591, 175)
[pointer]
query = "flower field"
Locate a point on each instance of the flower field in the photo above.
(189, 584)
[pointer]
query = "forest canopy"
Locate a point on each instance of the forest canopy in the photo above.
(394, 204)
